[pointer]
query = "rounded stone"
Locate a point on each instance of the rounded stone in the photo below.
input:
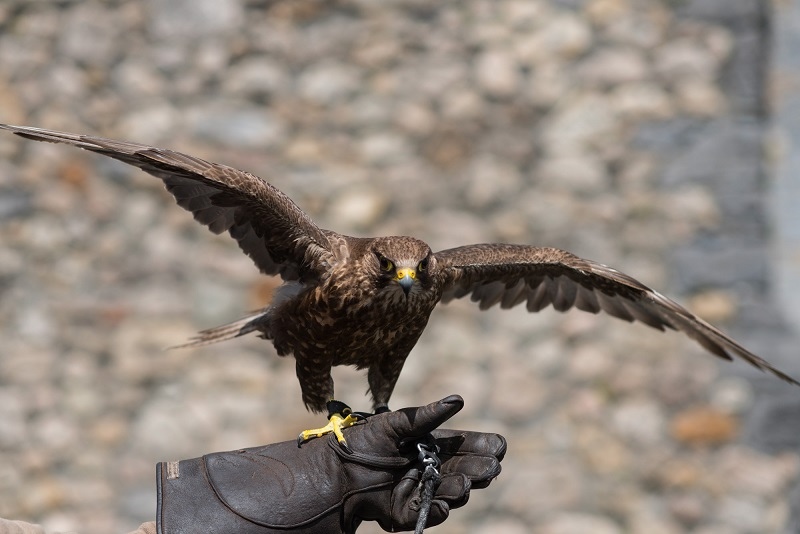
(613, 66)
(641, 101)
(327, 82)
(575, 523)
(358, 208)
(577, 174)
(565, 36)
(639, 419)
(497, 74)
(185, 19)
(701, 98)
(683, 58)
(256, 76)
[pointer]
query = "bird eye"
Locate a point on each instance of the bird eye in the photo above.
(423, 265)
(386, 265)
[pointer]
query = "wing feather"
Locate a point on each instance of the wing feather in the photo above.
(489, 294)
(512, 274)
(514, 295)
(586, 300)
(565, 295)
(645, 315)
(539, 298)
(614, 306)
(278, 236)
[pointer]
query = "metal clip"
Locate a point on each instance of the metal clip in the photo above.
(427, 455)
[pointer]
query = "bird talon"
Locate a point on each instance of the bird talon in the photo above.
(340, 416)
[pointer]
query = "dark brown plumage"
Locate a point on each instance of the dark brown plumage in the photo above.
(365, 302)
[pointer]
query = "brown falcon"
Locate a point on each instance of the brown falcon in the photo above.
(365, 301)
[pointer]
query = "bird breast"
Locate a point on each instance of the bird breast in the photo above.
(348, 319)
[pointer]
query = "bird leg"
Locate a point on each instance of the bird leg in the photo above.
(340, 416)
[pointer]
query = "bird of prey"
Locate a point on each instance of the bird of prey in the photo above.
(364, 302)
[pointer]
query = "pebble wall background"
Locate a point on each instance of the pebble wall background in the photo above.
(626, 131)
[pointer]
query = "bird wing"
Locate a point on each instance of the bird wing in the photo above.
(277, 235)
(512, 274)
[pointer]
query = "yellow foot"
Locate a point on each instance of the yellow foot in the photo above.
(340, 416)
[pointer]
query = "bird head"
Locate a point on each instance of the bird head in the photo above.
(403, 263)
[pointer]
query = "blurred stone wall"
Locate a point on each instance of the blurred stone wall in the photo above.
(626, 131)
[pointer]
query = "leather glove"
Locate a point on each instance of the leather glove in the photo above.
(322, 488)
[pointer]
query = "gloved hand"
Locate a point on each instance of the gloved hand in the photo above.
(321, 488)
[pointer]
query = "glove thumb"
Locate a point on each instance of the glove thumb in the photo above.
(417, 422)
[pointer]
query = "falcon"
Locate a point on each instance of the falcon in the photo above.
(364, 302)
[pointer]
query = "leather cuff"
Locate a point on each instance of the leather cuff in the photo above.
(233, 492)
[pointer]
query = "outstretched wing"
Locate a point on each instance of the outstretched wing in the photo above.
(512, 274)
(277, 235)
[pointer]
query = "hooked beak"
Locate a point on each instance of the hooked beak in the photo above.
(406, 277)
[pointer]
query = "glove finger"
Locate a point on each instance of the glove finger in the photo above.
(415, 422)
(480, 470)
(454, 490)
(452, 442)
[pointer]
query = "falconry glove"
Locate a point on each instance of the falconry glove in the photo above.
(322, 488)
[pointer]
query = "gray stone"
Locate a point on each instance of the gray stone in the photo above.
(506, 526)
(89, 35)
(548, 83)
(744, 79)
(641, 101)
(416, 118)
(794, 497)
(256, 76)
(748, 471)
(774, 425)
(384, 148)
(188, 19)
(579, 174)
(578, 124)
(683, 58)
(574, 523)
(137, 78)
(151, 124)
(725, 158)
(741, 513)
(565, 36)
(719, 263)
(716, 529)
(497, 74)
(699, 97)
(613, 66)
(556, 483)
(328, 82)
(14, 204)
(236, 125)
(732, 395)
(642, 28)
(14, 431)
(733, 12)
(639, 420)
(669, 135)
(358, 208)
(462, 105)
(649, 516)
(489, 180)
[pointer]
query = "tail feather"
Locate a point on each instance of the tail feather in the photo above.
(243, 326)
